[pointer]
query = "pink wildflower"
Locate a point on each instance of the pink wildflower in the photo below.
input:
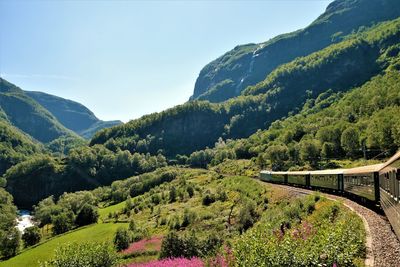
(154, 243)
(176, 262)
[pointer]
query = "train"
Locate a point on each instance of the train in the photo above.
(376, 186)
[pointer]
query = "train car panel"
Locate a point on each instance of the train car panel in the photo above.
(297, 179)
(324, 181)
(361, 185)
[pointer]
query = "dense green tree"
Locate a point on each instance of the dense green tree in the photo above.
(45, 209)
(122, 238)
(310, 151)
(10, 242)
(328, 150)
(31, 236)
(87, 215)
(277, 154)
(63, 222)
(350, 141)
(9, 235)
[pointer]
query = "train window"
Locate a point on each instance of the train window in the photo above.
(361, 185)
(325, 181)
(297, 179)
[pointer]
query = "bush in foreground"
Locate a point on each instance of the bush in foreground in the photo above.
(83, 255)
(304, 234)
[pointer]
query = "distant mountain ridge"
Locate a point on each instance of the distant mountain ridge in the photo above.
(246, 65)
(71, 114)
(47, 117)
(29, 116)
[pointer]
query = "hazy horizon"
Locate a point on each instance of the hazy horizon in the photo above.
(122, 59)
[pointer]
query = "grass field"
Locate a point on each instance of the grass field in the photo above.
(103, 213)
(31, 257)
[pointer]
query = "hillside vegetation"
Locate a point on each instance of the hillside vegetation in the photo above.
(85, 168)
(360, 123)
(201, 214)
(15, 146)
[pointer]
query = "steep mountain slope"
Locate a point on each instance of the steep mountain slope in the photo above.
(71, 114)
(249, 64)
(29, 116)
(189, 127)
(14, 146)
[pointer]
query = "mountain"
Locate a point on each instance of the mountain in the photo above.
(28, 115)
(47, 117)
(196, 125)
(246, 65)
(71, 114)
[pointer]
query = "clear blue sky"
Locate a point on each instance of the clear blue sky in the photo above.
(124, 59)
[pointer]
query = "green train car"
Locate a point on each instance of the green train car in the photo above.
(375, 185)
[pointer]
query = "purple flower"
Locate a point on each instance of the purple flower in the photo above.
(175, 262)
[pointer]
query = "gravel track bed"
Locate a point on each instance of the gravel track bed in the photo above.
(383, 247)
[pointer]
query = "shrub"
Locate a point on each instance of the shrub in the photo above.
(132, 225)
(176, 262)
(247, 216)
(172, 194)
(188, 218)
(31, 236)
(171, 246)
(208, 199)
(190, 191)
(83, 255)
(87, 215)
(188, 246)
(62, 222)
(121, 238)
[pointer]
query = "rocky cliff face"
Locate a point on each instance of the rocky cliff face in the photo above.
(245, 65)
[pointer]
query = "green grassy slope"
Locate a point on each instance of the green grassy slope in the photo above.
(44, 251)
